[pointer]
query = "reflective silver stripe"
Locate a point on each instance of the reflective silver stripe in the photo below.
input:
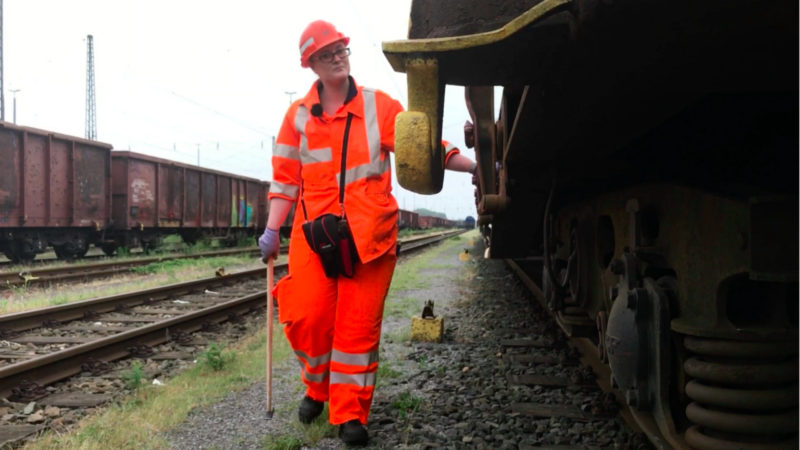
(358, 379)
(305, 45)
(286, 151)
(355, 359)
(315, 361)
(300, 120)
(315, 377)
(288, 190)
(375, 166)
(316, 155)
(449, 147)
(307, 155)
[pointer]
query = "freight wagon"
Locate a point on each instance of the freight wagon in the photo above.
(434, 222)
(154, 197)
(407, 219)
(645, 162)
(54, 190)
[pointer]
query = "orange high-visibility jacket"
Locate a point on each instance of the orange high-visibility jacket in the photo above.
(308, 154)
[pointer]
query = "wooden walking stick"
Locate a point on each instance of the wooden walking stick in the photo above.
(269, 337)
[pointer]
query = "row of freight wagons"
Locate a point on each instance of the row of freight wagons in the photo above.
(71, 192)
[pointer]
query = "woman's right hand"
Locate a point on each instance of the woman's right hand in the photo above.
(269, 243)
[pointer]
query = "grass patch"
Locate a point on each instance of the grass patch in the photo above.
(402, 307)
(23, 299)
(385, 370)
(136, 421)
(406, 404)
(413, 274)
(403, 334)
(282, 443)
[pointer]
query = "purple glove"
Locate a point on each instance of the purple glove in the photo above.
(269, 242)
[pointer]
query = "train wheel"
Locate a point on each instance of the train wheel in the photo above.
(190, 237)
(81, 252)
(62, 252)
(109, 249)
(21, 252)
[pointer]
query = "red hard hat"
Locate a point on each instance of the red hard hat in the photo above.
(318, 34)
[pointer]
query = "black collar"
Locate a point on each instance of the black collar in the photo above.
(351, 89)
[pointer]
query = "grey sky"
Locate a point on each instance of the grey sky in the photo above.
(176, 76)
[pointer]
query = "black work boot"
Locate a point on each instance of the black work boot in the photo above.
(353, 433)
(309, 409)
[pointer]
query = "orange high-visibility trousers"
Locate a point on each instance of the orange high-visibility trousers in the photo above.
(334, 328)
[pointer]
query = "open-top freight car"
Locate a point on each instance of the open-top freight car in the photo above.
(407, 219)
(154, 197)
(426, 222)
(54, 190)
(646, 155)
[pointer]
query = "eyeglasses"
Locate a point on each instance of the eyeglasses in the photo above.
(328, 56)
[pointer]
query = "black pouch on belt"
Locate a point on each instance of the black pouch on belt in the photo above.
(322, 235)
(329, 236)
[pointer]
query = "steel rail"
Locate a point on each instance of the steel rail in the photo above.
(59, 365)
(9, 279)
(26, 320)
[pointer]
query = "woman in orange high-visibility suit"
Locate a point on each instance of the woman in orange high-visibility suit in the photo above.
(333, 324)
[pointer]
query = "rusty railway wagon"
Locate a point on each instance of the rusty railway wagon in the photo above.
(54, 190)
(645, 161)
(154, 197)
(434, 222)
(407, 219)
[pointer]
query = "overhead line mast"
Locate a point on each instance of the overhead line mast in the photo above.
(91, 109)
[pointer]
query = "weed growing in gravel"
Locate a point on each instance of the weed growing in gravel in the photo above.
(214, 358)
(405, 404)
(402, 307)
(134, 378)
(161, 266)
(60, 300)
(282, 443)
(401, 335)
(18, 290)
(385, 371)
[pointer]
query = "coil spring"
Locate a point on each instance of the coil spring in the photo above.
(744, 394)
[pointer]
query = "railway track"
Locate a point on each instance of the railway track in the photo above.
(85, 272)
(590, 355)
(41, 347)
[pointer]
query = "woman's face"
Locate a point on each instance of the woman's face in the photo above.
(331, 63)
